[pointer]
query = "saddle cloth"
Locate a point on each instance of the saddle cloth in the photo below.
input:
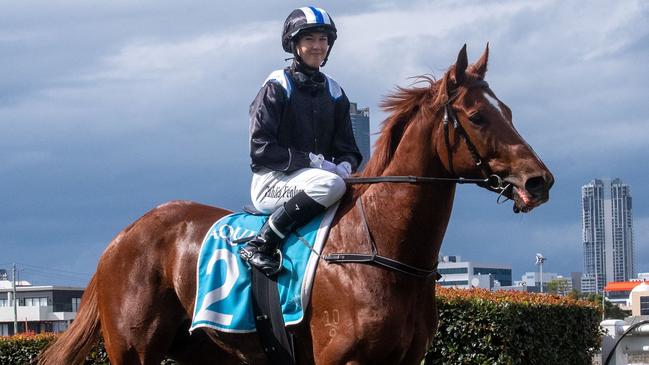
(224, 298)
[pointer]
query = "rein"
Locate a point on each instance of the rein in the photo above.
(490, 180)
(374, 259)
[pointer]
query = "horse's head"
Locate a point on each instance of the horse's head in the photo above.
(480, 138)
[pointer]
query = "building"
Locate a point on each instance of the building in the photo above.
(575, 277)
(640, 300)
(588, 283)
(622, 292)
(533, 278)
(40, 308)
(361, 127)
(468, 274)
(531, 281)
(607, 233)
(619, 292)
(561, 285)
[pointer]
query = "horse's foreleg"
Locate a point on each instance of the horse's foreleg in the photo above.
(139, 329)
(139, 313)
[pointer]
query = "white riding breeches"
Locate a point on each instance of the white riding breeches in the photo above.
(271, 189)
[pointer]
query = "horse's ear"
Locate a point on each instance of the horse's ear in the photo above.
(480, 67)
(453, 77)
(460, 66)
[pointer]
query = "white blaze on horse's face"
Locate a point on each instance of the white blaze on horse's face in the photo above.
(494, 102)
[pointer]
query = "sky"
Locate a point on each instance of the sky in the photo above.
(108, 109)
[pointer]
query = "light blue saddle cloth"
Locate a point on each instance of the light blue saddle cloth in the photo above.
(223, 298)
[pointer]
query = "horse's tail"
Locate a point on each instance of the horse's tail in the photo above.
(76, 342)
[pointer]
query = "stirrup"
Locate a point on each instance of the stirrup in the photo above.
(246, 256)
(271, 273)
(279, 267)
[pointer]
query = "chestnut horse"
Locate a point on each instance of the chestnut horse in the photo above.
(141, 298)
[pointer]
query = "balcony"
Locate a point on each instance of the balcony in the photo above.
(34, 313)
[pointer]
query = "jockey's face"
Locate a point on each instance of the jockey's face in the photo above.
(312, 47)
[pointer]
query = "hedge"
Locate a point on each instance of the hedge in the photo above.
(24, 348)
(476, 327)
(508, 327)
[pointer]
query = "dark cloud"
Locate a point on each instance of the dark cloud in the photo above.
(109, 109)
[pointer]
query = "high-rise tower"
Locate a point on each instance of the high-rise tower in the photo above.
(361, 126)
(607, 232)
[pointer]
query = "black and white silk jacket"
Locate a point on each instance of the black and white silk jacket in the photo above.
(289, 119)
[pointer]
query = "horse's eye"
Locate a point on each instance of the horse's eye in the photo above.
(476, 119)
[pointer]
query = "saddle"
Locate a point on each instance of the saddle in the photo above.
(232, 297)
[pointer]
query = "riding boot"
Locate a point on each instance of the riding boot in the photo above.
(262, 251)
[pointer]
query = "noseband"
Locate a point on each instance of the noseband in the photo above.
(490, 180)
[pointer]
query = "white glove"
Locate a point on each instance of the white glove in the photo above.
(344, 169)
(319, 162)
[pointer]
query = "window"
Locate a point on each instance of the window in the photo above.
(457, 270)
(59, 326)
(36, 302)
(644, 306)
(4, 302)
(75, 304)
(454, 282)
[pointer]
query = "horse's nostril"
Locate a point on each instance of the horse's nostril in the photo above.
(536, 185)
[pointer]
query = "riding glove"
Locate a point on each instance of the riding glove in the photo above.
(344, 169)
(319, 162)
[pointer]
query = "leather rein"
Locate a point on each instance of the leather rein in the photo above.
(490, 180)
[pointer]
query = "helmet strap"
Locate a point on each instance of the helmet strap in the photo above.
(324, 62)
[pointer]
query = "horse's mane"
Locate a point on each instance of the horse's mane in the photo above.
(406, 106)
(403, 105)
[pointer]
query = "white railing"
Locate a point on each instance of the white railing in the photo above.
(622, 339)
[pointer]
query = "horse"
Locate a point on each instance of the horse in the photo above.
(141, 297)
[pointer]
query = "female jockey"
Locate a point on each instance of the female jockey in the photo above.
(301, 140)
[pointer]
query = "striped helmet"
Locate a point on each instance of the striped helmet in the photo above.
(307, 18)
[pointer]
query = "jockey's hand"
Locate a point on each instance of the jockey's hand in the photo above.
(319, 162)
(344, 169)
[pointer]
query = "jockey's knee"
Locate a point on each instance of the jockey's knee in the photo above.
(328, 189)
(338, 187)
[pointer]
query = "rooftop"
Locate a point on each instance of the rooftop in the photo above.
(622, 285)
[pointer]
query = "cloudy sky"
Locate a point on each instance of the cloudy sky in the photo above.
(108, 109)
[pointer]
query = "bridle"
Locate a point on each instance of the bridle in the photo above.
(489, 180)
(449, 115)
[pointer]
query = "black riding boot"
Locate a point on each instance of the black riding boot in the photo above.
(262, 251)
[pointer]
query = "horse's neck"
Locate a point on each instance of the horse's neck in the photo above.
(409, 221)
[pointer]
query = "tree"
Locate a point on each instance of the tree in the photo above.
(558, 286)
(611, 311)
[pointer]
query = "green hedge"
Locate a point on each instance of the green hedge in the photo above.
(476, 327)
(482, 327)
(23, 349)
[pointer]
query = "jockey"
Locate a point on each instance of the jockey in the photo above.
(301, 140)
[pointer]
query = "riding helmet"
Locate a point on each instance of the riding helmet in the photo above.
(307, 18)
